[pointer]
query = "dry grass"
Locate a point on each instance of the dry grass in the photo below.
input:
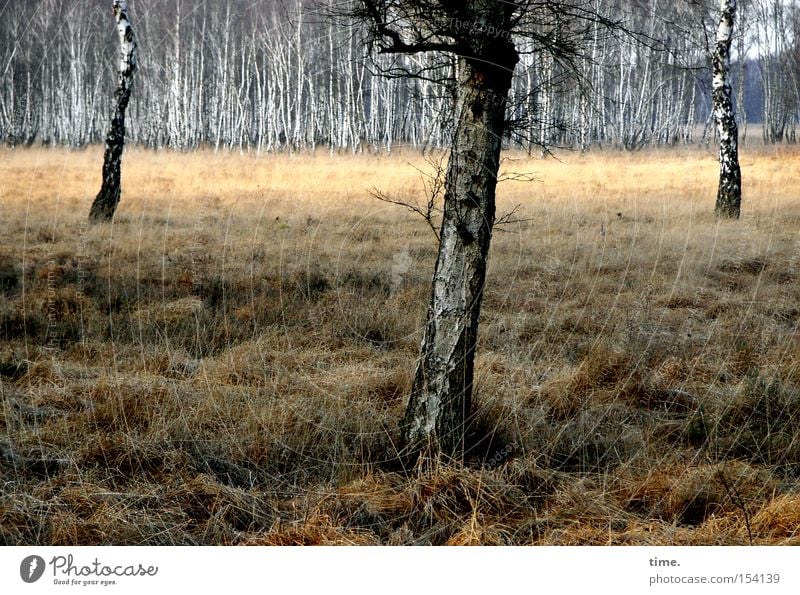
(226, 363)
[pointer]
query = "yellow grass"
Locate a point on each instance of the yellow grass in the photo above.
(227, 362)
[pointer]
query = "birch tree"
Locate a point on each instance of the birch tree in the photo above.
(729, 193)
(440, 400)
(483, 37)
(105, 204)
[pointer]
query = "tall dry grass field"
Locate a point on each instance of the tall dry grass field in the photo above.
(227, 362)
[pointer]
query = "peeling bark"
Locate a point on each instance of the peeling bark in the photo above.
(729, 194)
(441, 397)
(106, 201)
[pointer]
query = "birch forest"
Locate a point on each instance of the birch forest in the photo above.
(266, 76)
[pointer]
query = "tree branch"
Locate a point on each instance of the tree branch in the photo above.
(395, 40)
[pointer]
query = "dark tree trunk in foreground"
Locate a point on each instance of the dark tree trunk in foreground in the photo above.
(441, 395)
(487, 38)
(729, 194)
(107, 199)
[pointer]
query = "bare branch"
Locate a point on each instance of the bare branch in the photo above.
(428, 212)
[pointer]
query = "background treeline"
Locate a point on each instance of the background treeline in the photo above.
(267, 75)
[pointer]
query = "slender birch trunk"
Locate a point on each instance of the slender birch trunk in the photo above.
(729, 194)
(105, 204)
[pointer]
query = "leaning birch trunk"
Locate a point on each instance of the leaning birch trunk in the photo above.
(107, 199)
(729, 194)
(438, 410)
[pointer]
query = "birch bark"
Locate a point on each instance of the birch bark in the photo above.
(439, 407)
(729, 193)
(106, 201)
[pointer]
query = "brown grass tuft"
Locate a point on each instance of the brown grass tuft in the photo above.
(779, 520)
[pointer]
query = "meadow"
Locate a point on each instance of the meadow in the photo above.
(227, 362)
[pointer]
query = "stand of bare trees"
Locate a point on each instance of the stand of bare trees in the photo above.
(777, 37)
(264, 76)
